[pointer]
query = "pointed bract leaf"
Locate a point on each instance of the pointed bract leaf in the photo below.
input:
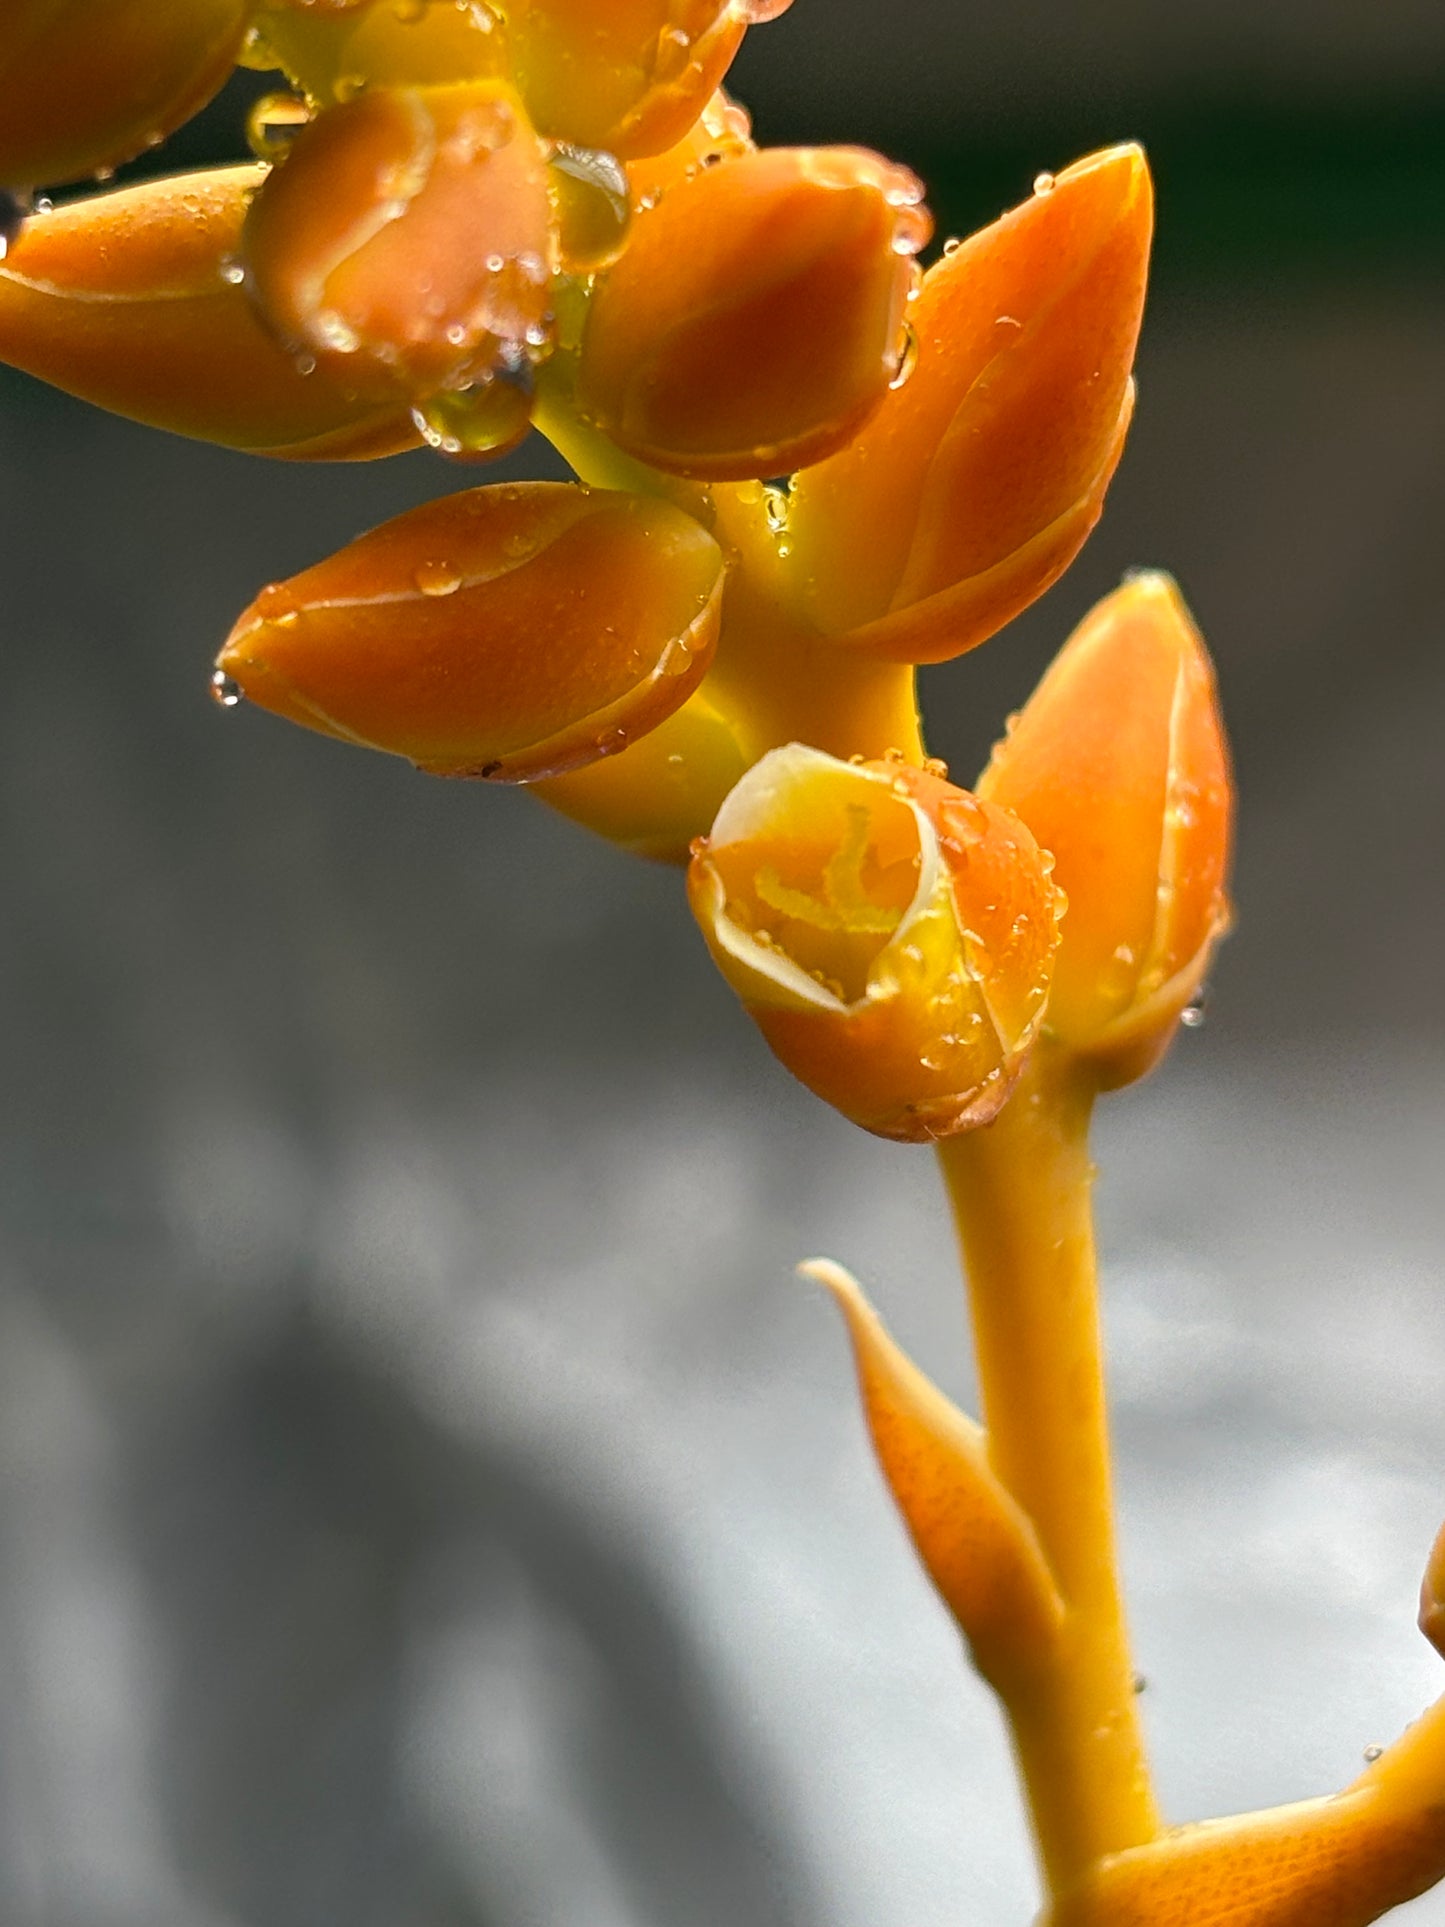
(976, 482)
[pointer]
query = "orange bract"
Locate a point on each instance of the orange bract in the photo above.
(1118, 765)
(756, 318)
(124, 299)
(509, 632)
(975, 483)
(405, 241)
(891, 936)
(84, 84)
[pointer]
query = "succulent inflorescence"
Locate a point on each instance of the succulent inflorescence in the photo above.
(805, 467)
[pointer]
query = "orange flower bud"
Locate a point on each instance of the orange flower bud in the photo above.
(891, 936)
(756, 319)
(405, 240)
(630, 76)
(1118, 764)
(1432, 1597)
(509, 632)
(84, 84)
(332, 51)
(125, 300)
(975, 484)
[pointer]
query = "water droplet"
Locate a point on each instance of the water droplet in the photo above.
(1008, 321)
(437, 578)
(1373, 1753)
(225, 690)
(755, 12)
(907, 356)
(477, 422)
(610, 742)
(273, 123)
(233, 271)
(951, 246)
(1043, 183)
(590, 200)
(256, 52)
(775, 506)
(911, 228)
(305, 364)
(1192, 1016)
(43, 205)
(935, 766)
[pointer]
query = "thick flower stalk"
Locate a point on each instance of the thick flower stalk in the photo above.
(805, 466)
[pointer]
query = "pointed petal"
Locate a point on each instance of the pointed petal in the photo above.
(978, 479)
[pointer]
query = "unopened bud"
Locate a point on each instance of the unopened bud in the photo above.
(630, 76)
(509, 632)
(86, 85)
(1118, 764)
(976, 482)
(405, 241)
(133, 300)
(757, 316)
(891, 936)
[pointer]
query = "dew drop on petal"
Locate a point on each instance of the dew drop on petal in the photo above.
(907, 357)
(589, 199)
(273, 123)
(437, 578)
(473, 423)
(225, 690)
(1043, 183)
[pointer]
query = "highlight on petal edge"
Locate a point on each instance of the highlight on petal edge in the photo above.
(891, 936)
(87, 84)
(757, 316)
(1118, 763)
(131, 299)
(510, 632)
(977, 481)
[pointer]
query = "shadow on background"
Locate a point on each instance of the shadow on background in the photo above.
(425, 1499)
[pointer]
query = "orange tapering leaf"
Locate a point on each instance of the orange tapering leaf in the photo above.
(976, 482)
(977, 1545)
(1118, 764)
(1339, 1862)
(891, 936)
(756, 317)
(405, 241)
(85, 84)
(510, 632)
(127, 300)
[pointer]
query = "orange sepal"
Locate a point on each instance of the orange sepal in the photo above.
(85, 84)
(756, 317)
(977, 481)
(123, 300)
(1118, 764)
(509, 632)
(405, 241)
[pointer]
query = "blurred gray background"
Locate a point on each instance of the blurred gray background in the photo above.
(427, 1499)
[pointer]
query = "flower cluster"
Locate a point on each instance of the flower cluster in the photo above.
(466, 219)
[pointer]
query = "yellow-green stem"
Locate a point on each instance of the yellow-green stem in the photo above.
(1020, 1191)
